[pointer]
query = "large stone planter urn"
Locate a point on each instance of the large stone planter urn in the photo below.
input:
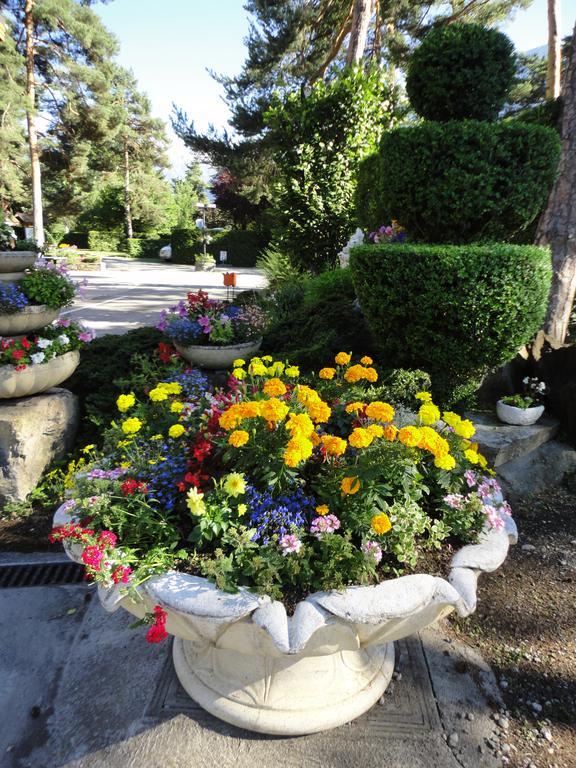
(520, 417)
(28, 319)
(13, 264)
(212, 357)
(242, 658)
(37, 378)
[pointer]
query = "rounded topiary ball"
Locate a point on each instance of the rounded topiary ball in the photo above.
(461, 71)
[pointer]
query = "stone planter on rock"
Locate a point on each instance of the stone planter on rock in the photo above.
(28, 319)
(13, 264)
(242, 658)
(37, 378)
(520, 417)
(213, 357)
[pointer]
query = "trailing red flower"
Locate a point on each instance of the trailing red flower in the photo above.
(121, 573)
(107, 538)
(69, 531)
(157, 631)
(166, 352)
(92, 557)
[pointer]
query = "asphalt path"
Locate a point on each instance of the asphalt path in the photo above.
(129, 294)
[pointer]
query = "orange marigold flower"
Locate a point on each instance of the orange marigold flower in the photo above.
(371, 375)
(322, 510)
(238, 438)
(390, 432)
(360, 438)
(355, 373)
(410, 436)
(335, 446)
(366, 360)
(273, 410)
(381, 523)
(380, 411)
(342, 358)
(327, 373)
(376, 430)
(275, 388)
(355, 406)
(319, 412)
(350, 485)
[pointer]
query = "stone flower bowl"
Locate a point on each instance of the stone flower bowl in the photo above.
(37, 378)
(13, 264)
(28, 319)
(520, 417)
(244, 660)
(214, 358)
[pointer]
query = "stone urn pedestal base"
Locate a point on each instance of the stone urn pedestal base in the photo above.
(284, 695)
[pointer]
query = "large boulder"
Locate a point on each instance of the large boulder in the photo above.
(34, 431)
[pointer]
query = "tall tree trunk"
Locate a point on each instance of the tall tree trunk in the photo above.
(31, 120)
(554, 51)
(127, 207)
(557, 227)
(359, 31)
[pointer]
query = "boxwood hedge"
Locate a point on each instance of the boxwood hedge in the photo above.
(453, 311)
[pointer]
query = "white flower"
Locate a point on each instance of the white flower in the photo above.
(44, 343)
(63, 339)
(37, 358)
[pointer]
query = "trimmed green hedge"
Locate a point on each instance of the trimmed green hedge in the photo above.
(465, 181)
(371, 212)
(185, 244)
(243, 246)
(104, 241)
(461, 71)
(452, 311)
(143, 247)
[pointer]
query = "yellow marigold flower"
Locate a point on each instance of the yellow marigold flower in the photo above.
(445, 461)
(410, 436)
(239, 363)
(381, 523)
(131, 426)
(335, 446)
(125, 402)
(371, 375)
(350, 485)
(307, 395)
(249, 409)
(390, 432)
(275, 388)
(276, 369)
(298, 449)
(354, 374)
(241, 509)
(315, 438)
(426, 397)
(379, 411)
(195, 502)
(451, 418)
(465, 429)
(234, 484)
(238, 438)
(176, 430)
(156, 437)
(482, 461)
(157, 395)
(273, 410)
(176, 407)
(267, 358)
(360, 438)
(300, 425)
(429, 413)
(171, 387)
(88, 448)
(342, 358)
(472, 456)
(239, 373)
(319, 412)
(366, 360)
(355, 406)
(292, 371)
(327, 373)
(376, 430)
(322, 510)
(431, 441)
(257, 369)
(231, 417)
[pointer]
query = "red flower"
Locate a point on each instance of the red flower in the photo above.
(108, 538)
(121, 574)
(92, 556)
(166, 352)
(130, 486)
(157, 631)
(17, 354)
(21, 367)
(25, 343)
(201, 449)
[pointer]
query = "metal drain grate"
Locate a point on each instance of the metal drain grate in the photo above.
(40, 574)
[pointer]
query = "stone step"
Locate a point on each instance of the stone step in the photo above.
(543, 469)
(501, 443)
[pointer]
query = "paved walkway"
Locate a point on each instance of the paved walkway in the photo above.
(79, 689)
(128, 294)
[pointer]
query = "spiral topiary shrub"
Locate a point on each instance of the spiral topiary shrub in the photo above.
(452, 311)
(463, 181)
(461, 71)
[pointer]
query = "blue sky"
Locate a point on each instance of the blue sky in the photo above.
(169, 47)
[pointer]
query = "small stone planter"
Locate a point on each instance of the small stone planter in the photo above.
(28, 319)
(243, 659)
(13, 264)
(214, 358)
(520, 417)
(37, 378)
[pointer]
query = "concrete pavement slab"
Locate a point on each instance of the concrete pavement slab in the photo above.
(80, 689)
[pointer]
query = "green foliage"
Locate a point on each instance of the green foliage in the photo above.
(243, 246)
(188, 191)
(453, 311)
(103, 241)
(461, 71)
(400, 386)
(107, 366)
(320, 141)
(277, 268)
(6, 236)
(315, 319)
(185, 244)
(142, 247)
(46, 286)
(547, 113)
(463, 181)
(370, 211)
(79, 239)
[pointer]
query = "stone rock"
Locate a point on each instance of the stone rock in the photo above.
(501, 443)
(344, 255)
(34, 431)
(544, 468)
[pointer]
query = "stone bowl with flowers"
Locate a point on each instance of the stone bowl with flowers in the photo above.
(274, 527)
(14, 258)
(210, 333)
(524, 409)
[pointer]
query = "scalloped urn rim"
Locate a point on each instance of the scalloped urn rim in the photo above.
(37, 378)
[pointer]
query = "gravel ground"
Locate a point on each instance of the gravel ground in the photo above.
(525, 627)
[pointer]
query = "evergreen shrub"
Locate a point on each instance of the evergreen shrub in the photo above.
(452, 311)
(100, 240)
(243, 246)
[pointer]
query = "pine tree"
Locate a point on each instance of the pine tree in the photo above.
(188, 191)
